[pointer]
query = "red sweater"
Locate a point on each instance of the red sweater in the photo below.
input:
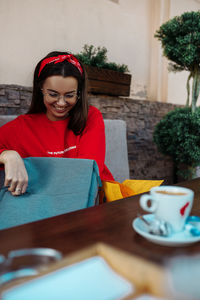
(34, 135)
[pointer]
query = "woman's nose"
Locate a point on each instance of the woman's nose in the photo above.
(61, 100)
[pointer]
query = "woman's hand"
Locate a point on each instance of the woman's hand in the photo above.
(16, 176)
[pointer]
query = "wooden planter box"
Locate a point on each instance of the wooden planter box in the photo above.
(108, 82)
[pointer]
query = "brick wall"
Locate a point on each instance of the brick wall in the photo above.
(141, 116)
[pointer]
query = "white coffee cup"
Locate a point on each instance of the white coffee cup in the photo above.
(172, 204)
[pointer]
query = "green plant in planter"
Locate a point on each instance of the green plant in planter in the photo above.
(180, 39)
(97, 57)
(178, 133)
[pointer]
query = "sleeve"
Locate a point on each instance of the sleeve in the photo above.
(9, 135)
(92, 140)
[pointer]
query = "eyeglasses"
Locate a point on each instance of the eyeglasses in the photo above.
(70, 98)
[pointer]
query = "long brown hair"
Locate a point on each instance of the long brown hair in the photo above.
(78, 114)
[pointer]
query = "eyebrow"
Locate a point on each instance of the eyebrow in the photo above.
(50, 90)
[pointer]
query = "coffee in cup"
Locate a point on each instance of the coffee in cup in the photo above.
(172, 204)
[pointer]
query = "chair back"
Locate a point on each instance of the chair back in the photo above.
(116, 149)
(6, 118)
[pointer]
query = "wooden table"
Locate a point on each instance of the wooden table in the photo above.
(110, 223)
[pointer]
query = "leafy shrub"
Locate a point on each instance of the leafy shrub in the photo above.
(178, 135)
(97, 57)
(180, 40)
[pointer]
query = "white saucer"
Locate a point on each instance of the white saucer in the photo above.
(182, 238)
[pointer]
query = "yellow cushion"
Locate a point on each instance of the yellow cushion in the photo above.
(115, 190)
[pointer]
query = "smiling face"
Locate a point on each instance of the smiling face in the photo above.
(60, 96)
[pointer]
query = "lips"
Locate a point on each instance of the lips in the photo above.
(60, 109)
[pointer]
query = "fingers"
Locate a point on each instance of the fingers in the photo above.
(13, 185)
(16, 187)
(24, 188)
(16, 177)
(7, 182)
(17, 191)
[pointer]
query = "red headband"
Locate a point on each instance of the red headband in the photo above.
(60, 58)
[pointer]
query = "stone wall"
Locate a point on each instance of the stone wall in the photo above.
(141, 117)
(14, 99)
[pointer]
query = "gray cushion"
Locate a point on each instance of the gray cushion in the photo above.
(4, 119)
(116, 149)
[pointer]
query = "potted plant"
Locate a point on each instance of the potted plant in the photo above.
(178, 133)
(104, 77)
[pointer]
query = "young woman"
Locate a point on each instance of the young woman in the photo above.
(59, 122)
